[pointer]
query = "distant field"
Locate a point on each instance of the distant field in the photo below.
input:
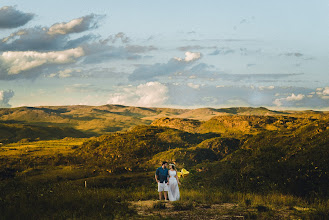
(41, 148)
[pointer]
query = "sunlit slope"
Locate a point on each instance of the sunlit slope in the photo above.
(235, 124)
(98, 120)
(290, 159)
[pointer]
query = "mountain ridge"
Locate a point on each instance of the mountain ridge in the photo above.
(106, 119)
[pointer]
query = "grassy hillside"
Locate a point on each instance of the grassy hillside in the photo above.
(130, 150)
(12, 132)
(243, 155)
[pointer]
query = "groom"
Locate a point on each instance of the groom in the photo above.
(161, 176)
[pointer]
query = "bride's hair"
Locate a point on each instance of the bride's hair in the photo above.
(173, 166)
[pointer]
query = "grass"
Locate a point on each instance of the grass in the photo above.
(263, 206)
(41, 148)
(43, 195)
(159, 205)
(182, 206)
(244, 199)
(61, 201)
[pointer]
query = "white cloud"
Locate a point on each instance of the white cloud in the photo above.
(266, 87)
(74, 26)
(294, 97)
(189, 56)
(194, 86)
(291, 98)
(326, 91)
(64, 73)
(18, 61)
(323, 93)
(220, 86)
(151, 94)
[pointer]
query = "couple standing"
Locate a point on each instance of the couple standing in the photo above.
(167, 182)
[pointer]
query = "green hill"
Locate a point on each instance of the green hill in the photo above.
(291, 162)
(131, 150)
(239, 153)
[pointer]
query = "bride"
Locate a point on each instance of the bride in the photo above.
(173, 192)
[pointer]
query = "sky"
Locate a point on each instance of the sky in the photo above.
(181, 54)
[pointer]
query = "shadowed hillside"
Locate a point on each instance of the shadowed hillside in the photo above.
(294, 162)
(10, 132)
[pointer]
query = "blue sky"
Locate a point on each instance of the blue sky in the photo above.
(183, 54)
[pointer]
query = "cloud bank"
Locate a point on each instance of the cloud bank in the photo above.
(174, 65)
(17, 61)
(30, 52)
(57, 37)
(146, 95)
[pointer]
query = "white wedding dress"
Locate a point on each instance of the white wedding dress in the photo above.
(173, 192)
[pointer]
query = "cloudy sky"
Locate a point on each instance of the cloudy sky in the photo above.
(185, 53)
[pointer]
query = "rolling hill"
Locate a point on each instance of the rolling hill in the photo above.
(290, 159)
(99, 120)
(11, 132)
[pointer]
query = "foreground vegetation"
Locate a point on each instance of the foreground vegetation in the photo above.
(63, 195)
(255, 166)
